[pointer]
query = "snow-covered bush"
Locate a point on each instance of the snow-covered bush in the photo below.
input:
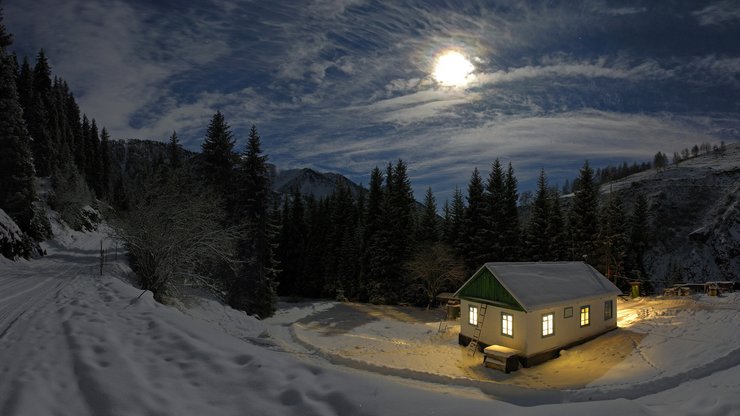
(13, 242)
(174, 236)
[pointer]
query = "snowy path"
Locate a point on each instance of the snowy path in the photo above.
(77, 344)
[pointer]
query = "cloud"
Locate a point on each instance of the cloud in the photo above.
(118, 57)
(718, 13)
(344, 85)
(598, 68)
(419, 105)
(602, 7)
(711, 69)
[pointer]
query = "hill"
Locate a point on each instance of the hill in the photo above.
(694, 217)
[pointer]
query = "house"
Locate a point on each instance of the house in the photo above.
(536, 308)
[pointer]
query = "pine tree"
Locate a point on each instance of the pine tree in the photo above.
(6, 39)
(93, 163)
(175, 150)
(456, 225)
(404, 209)
(428, 230)
(75, 126)
(475, 227)
(538, 243)
(660, 161)
(318, 223)
(292, 247)
(340, 266)
(105, 163)
(17, 191)
(39, 116)
(556, 233)
(584, 223)
(373, 270)
(398, 229)
(495, 213)
(613, 239)
(638, 240)
(25, 88)
(255, 287)
(81, 151)
(510, 224)
(218, 156)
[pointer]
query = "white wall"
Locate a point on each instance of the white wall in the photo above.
(568, 330)
(527, 334)
(491, 331)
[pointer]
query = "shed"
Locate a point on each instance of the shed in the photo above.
(536, 308)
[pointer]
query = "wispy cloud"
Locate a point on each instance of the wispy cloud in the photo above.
(603, 7)
(718, 13)
(598, 68)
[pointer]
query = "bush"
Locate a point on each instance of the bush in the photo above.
(174, 237)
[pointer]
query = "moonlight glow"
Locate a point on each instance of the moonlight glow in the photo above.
(452, 69)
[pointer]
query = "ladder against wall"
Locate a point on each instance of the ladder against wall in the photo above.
(473, 346)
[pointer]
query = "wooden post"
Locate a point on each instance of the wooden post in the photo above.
(102, 257)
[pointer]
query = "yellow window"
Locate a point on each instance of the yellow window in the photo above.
(473, 316)
(585, 315)
(548, 321)
(507, 324)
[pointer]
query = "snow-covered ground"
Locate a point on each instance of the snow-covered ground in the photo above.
(76, 343)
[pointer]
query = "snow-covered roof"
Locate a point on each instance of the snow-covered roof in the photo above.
(541, 284)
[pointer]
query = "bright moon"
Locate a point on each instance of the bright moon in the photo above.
(452, 69)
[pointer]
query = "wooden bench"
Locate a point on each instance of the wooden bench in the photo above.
(501, 358)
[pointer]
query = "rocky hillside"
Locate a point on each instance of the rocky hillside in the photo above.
(694, 217)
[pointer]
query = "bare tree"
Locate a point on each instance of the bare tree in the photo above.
(175, 237)
(434, 268)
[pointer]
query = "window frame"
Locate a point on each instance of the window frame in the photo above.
(588, 315)
(566, 310)
(510, 324)
(609, 302)
(551, 327)
(472, 315)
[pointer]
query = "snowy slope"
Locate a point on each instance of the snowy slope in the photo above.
(310, 182)
(76, 343)
(694, 216)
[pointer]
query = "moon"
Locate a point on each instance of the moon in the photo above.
(452, 69)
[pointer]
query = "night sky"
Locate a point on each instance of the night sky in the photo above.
(345, 85)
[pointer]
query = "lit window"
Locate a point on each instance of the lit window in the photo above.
(585, 315)
(547, 324)
(568, 312)
(608, 310)
(506, 324)
(473, 316)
